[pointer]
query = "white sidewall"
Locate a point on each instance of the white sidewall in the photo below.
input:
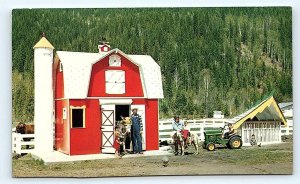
(43, 99)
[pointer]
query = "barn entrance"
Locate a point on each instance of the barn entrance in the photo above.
(122, 110)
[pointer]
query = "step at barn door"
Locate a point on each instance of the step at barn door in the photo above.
(142, 113)
(107, 128)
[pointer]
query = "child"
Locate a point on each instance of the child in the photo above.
(116, 144)
(253, 140)
(231, 131)
(186, 133)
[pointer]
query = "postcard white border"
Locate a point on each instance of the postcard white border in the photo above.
(5, 85)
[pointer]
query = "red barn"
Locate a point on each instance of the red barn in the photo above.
(92, 91)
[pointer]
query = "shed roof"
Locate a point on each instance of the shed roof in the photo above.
(43, 43)
(266, 110)
(77, 68)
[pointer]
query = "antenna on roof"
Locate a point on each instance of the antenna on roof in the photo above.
(103, 41)
(103, 45)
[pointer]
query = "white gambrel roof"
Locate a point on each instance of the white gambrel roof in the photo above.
(77, 67)
(151, 75)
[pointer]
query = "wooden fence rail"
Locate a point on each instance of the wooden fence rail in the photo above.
(194, 126)
(165, 132)
(19, 146)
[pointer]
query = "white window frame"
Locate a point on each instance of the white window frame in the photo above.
(108, 81)
(112, 60)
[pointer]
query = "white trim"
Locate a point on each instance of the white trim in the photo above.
(107, 101)
(143, 83)
(89, 83)
(57, 99)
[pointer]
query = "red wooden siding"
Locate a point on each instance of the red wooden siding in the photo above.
(59, 83)
(133, 84)
(79, 141)
(152, 125)
(62, 142)
(86, 140)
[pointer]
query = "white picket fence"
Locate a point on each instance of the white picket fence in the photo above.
(19, 145)
(194, 126)
(165, 132)
(287, 130)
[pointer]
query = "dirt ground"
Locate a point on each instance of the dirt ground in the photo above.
(271, 159)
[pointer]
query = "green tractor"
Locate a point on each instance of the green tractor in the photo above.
(214, 136)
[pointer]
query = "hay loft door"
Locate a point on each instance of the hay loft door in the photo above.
(107, 128)
(141, 112)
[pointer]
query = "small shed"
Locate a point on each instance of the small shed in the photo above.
(264, 120)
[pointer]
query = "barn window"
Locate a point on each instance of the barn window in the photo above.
(77, 117)
(114, 60)
(115, 82)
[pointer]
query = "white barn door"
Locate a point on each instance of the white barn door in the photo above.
(142, 113)
(107, 128)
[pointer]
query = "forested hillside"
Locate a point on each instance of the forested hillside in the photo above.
(211, 58)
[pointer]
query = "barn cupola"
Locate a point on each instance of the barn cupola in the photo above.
(103, 47)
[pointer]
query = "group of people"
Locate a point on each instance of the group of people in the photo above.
(180, 127)
(137, 128)
(135, 132)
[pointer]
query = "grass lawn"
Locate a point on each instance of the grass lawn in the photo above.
(271, 159)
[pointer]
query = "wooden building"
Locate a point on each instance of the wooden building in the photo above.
(263, 120)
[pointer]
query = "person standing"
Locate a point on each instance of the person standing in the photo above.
(137, 128)
(116, 144)
(177, 126)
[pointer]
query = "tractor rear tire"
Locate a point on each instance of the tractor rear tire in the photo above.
(235, 143)
(211, 146)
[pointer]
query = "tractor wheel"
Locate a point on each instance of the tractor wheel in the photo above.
(235, 143)
(203, 146)
(227, 145)
(210, 147)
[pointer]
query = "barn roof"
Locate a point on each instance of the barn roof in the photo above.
(151, 73)
(77, 68)
(265, 110)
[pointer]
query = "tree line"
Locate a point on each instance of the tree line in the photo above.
(211, 58)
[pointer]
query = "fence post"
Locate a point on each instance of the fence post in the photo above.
(13, 142)
(18, 143)
(202, 131)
